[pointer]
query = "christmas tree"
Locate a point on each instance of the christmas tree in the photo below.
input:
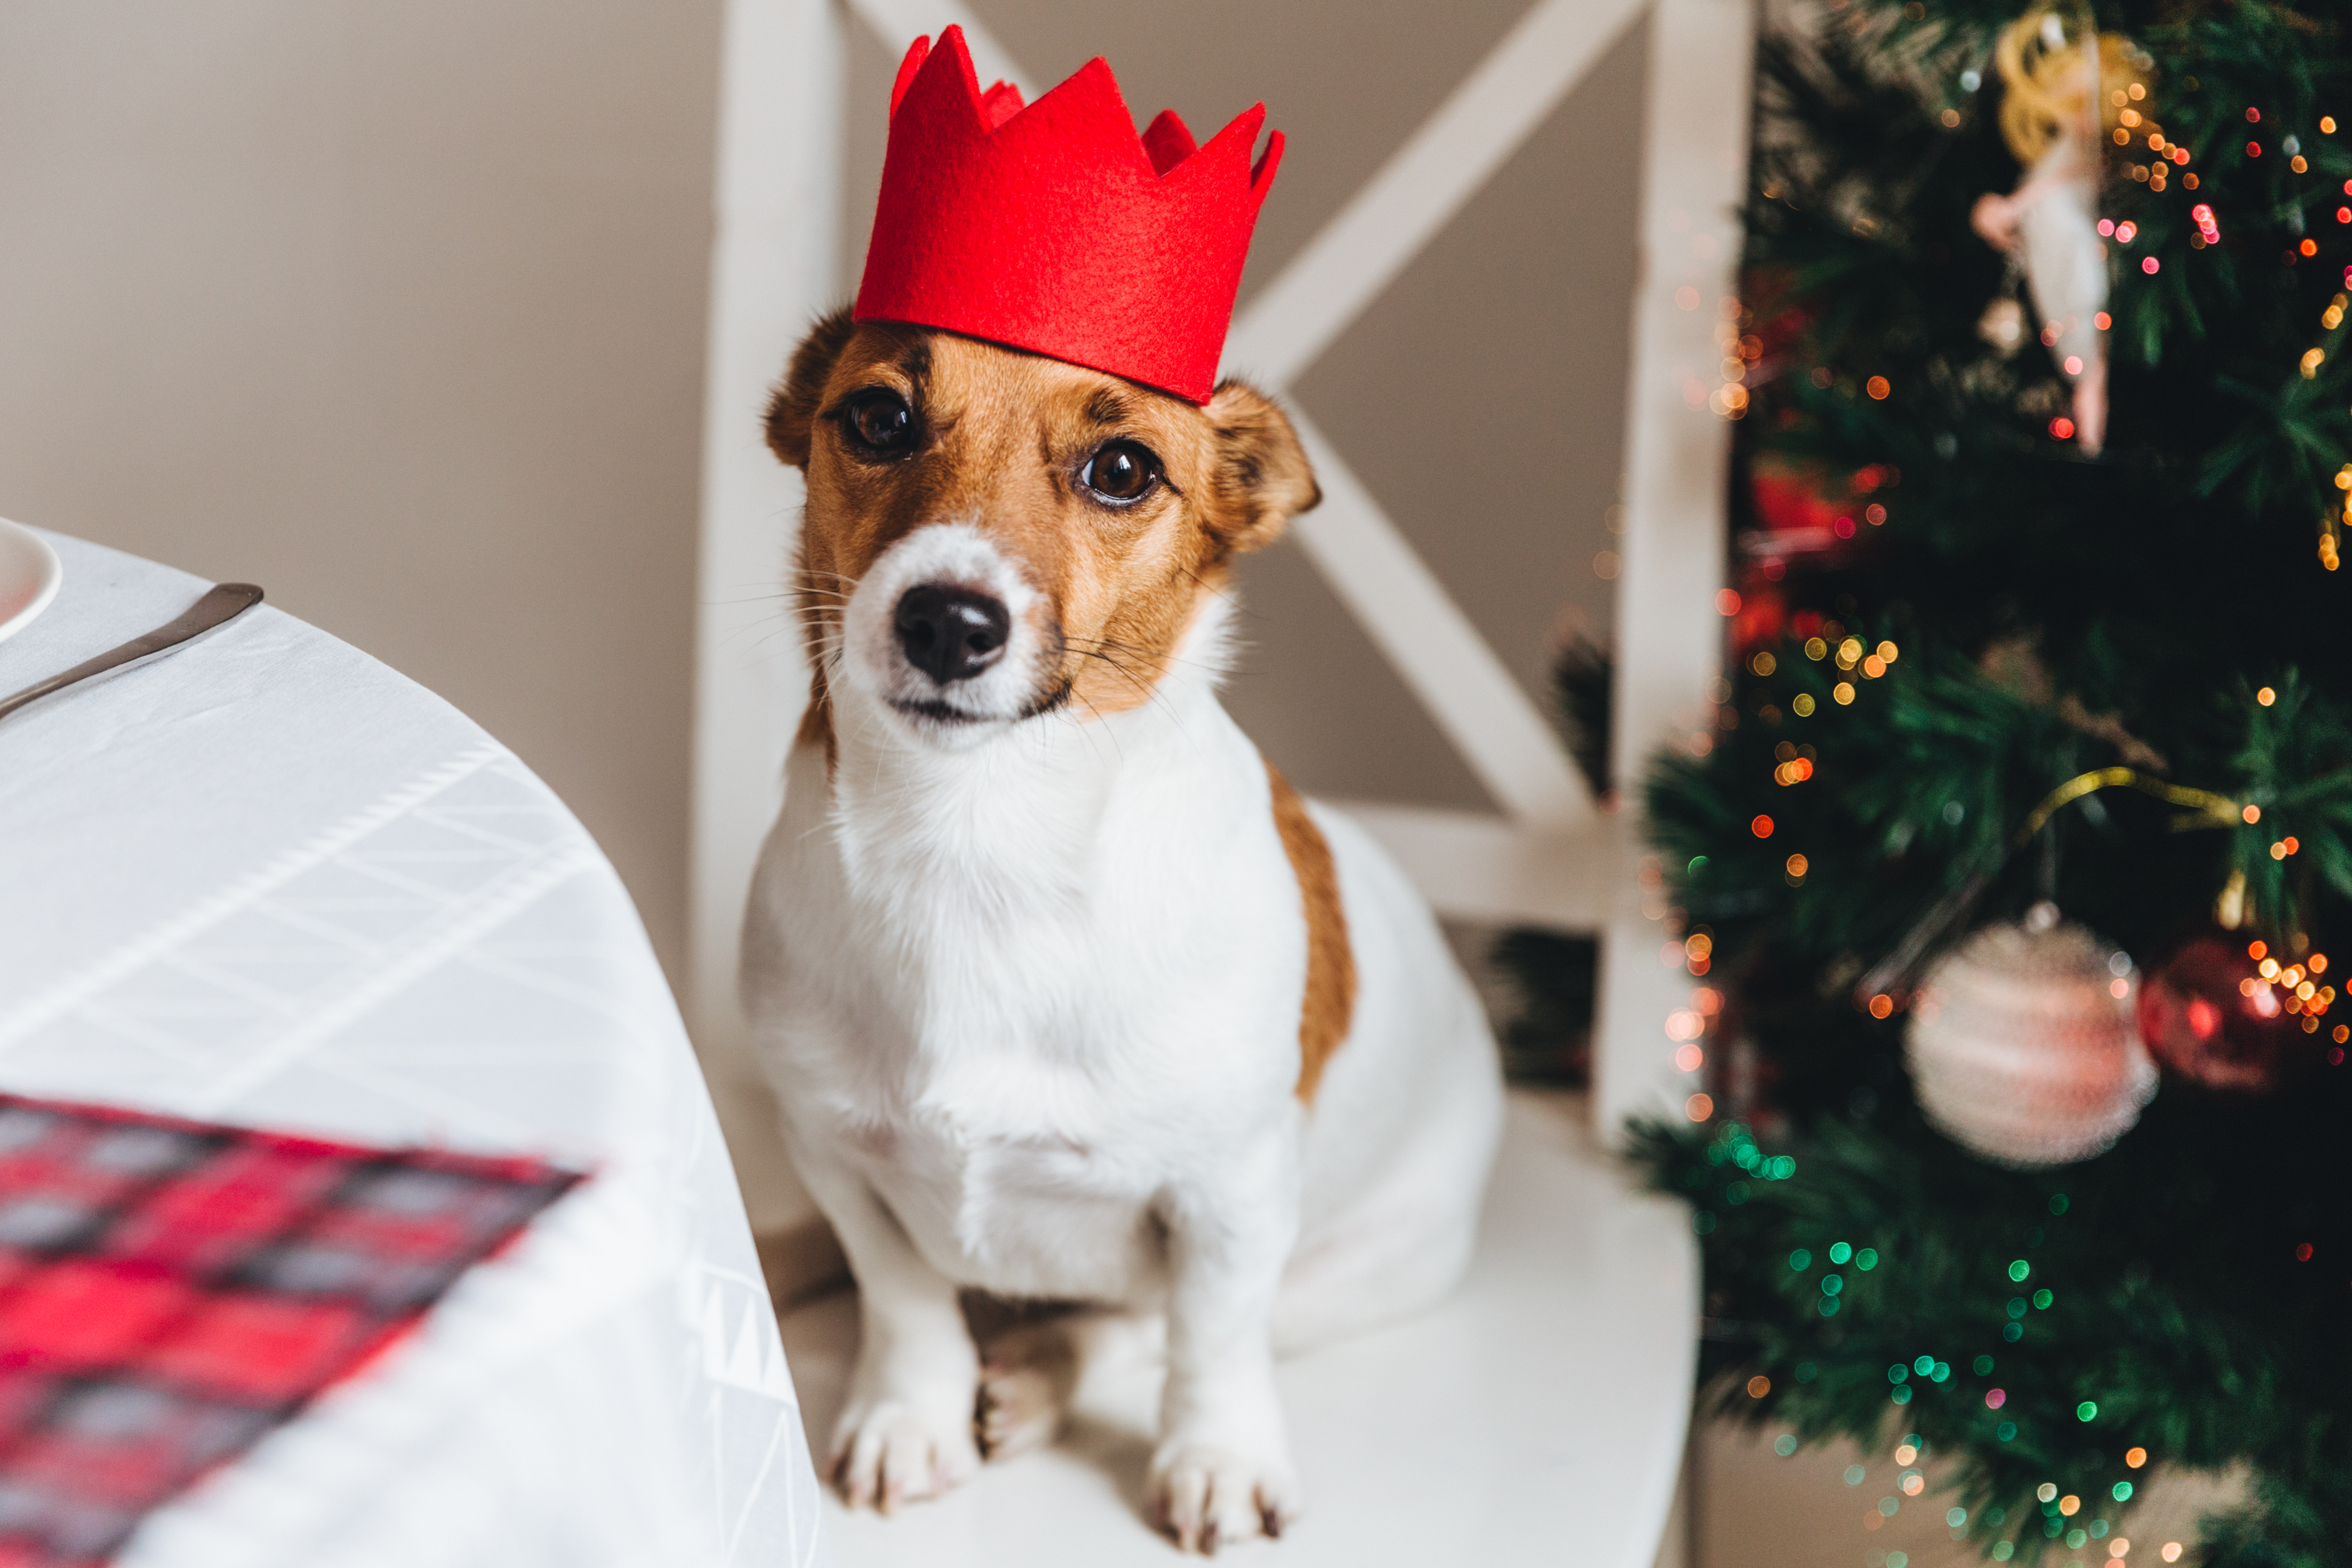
(2013, 873)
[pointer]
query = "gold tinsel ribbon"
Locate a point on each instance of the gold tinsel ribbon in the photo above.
(1893, 972)
(2222, 811)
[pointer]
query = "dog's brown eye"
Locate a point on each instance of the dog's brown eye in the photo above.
(1121, 471)
(880, 422)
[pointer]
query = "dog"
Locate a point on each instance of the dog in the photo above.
(1067, 995)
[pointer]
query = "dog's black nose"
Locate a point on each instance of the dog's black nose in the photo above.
(952, 633)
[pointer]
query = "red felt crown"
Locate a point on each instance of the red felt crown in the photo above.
(1054, 227)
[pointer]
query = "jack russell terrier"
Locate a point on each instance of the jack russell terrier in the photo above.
(1067, 996)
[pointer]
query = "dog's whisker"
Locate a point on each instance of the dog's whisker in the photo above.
(1149, 688)
(803, 629)
(1163, 660)
(1237, 606)
(1095, 730)
(1105, 650)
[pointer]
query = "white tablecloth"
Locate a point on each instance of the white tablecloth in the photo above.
(268, 881)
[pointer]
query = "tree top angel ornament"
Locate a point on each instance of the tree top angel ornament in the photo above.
(2065, 86)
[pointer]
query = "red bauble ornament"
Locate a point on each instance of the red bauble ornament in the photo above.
(2209, 1013)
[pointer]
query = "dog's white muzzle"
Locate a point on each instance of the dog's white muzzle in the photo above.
(943, 631)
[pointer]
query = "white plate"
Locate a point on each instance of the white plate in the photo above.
(30, 574)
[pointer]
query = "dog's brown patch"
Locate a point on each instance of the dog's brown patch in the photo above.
(1004, 435)
(1331, 1000)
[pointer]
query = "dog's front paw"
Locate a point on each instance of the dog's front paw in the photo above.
(886, 1452)
(1206, 1496)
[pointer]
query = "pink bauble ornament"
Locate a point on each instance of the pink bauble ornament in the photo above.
(2022, 1046)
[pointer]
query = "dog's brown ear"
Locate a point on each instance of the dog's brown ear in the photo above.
(1262, 477)
(791, 411)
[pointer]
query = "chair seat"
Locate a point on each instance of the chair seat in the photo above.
(1536, 1416)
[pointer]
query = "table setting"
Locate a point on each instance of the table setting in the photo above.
(360, 1200)
(362, 1203)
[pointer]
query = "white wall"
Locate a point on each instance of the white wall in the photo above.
(396, 311)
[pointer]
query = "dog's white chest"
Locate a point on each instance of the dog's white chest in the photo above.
(996, 1195)
(1024, 1008)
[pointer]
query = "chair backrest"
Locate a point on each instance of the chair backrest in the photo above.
(1547, 855)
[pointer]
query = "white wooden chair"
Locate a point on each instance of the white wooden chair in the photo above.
(1540, 1415)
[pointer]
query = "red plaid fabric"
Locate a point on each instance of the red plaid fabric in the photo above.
(170, 1290)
